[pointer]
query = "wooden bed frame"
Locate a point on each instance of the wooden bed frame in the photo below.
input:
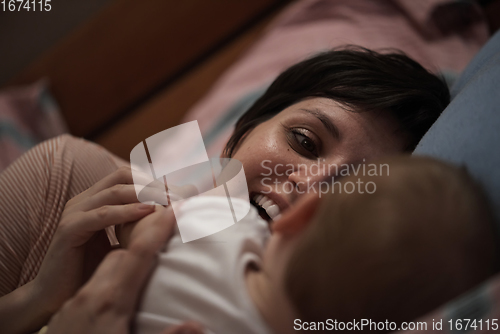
(136, 67)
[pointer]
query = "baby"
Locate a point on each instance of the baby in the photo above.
(424, 237)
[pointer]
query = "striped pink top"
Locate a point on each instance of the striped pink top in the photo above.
(33, 193)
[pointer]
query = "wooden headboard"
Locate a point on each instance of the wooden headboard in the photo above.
(136, 67)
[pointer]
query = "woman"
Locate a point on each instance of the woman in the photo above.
(341, 107)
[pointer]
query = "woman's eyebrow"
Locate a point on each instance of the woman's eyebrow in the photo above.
(330, 127)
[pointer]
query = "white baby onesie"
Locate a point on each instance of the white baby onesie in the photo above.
(203, 280)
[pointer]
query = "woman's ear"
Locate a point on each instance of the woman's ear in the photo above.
(298, 216)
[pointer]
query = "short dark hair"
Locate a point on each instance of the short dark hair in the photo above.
(361, 80)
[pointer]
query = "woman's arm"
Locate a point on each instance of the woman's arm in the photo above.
(20, 305)
(110, 201)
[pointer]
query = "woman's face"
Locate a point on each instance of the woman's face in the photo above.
(288, 155)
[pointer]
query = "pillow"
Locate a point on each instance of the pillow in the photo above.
(467, 134)
(468, 131)
(28, 116)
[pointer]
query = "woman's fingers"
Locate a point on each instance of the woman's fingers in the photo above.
(122, 175)
(80, 226)
(152, 232)
(107, 215)
(119, 188)
(147, 230)
(120, 194)
(120, 277)
(154, 191)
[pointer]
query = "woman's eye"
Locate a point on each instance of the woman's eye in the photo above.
(305, 143)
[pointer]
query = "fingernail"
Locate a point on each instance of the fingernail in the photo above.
(158, 206)
(146, 205)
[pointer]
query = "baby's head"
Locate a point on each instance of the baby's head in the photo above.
(423, 237)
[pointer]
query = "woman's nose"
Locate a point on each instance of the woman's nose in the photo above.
(304, 181)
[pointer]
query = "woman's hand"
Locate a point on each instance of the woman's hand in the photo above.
(176, 193)
(107, 302)
(109, 202)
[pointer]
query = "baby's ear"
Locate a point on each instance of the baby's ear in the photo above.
(298, 216)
